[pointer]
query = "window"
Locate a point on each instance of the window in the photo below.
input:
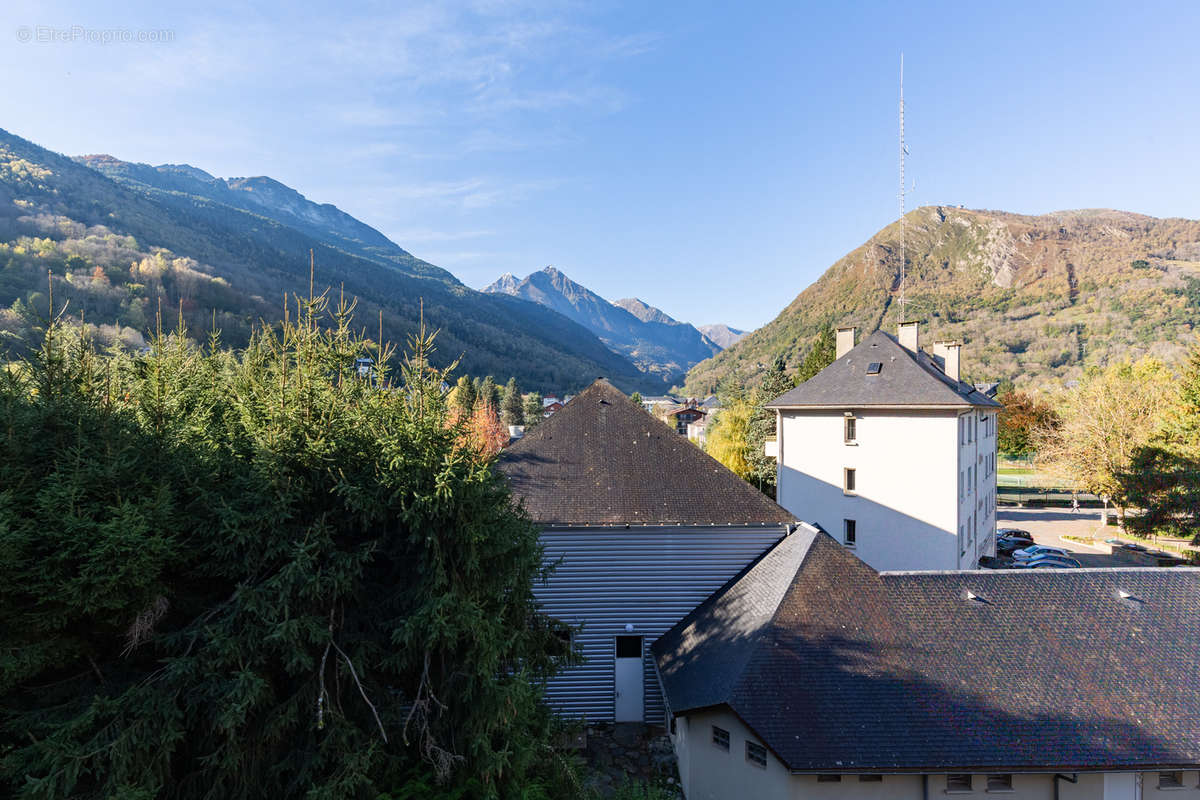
(720, 737)
(958, 783)
(851, 430)
(756, 754)
(829, 779)
(849, 480)
(870, 779)
(629, 647)
(1170, 780)
(874, 367)
(849, 532)
(999, 783)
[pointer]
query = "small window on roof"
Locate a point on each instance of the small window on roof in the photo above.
(870, 779)
(874, 367)
(829, 779)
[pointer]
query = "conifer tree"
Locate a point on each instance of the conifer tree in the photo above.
(257, 575)
(464, 397)
(513, 409)
(533, 410)
(761, 427)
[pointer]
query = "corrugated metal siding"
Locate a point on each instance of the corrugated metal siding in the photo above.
(648, 577)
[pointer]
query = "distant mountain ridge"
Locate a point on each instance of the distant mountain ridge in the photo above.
(722, 335)
(121, 239)
(655, 342)
(1036, 299)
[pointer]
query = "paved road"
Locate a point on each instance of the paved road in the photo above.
(1048, 524)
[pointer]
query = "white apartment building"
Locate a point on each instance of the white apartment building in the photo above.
(892, 454)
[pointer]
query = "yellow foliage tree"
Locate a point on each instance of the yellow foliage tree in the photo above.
(1102, 423)
(728, 435)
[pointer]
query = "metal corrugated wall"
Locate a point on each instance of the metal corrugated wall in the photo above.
(648, 577)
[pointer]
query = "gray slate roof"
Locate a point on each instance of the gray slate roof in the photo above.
(905, 379)
(602, 460)
(839, 668)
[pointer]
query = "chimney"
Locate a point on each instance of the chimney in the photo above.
(908, 336)
(845, 341)
(949, 352)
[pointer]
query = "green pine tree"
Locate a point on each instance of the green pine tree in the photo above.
(512, 409)
(253, 575)
(533, 410)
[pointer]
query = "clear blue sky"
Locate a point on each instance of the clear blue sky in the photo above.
(712, 159)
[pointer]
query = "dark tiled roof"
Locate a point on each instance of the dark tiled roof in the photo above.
(854, 670)
(602, 460)
(904, 379)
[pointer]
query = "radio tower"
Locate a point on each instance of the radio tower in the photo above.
(903, 153)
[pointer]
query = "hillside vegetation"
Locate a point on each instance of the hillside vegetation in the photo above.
(1036, 299)
(120, 248)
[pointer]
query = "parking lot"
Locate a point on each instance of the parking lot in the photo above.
(1047, 525)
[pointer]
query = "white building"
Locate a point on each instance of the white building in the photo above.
(892, 454)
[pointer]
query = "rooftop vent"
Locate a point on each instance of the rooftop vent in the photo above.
(971, 597)
(1130, 599)
(874, 367)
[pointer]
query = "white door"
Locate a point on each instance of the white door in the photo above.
(629, 679)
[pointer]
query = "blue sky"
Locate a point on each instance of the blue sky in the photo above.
(712, 159)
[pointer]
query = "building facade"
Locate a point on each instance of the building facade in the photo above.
(892, 454)
(640, 526)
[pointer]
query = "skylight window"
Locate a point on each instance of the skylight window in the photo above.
(874, 367)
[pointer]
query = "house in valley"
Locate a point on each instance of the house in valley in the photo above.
(681, 418)
(643, 527)
(892, 453)
(813, 675)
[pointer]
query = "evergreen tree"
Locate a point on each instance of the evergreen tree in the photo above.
(761, 427)
(533, 410)
(489, 392)
(822, 354)
(464, 396)
(636, 397)
(512, 408)
(1163, 478)
(254, 575)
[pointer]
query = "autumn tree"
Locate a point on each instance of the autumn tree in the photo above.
(1019, 421)
(1102, 424)
(727, 437)
(485, 431)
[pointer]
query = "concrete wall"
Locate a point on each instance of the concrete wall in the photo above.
(648, 577)
(710, 773)
(906, 503)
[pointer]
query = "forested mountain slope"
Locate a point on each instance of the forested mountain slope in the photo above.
(1037, 299)
(117, 249)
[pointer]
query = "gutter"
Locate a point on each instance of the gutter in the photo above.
(1059, 776)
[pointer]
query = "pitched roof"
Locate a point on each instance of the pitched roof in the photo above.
(841, 669)
(602, 460)
(904, 378)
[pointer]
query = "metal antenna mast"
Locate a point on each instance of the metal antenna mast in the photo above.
(903, 153)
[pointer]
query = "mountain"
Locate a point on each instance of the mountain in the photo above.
(654, 342)
(722, 336)
(122, 240)
(1036, 299)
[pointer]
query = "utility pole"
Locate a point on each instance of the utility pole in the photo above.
(903, 153)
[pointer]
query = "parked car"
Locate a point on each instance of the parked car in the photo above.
(993, 562)
(1014, 533)
(1006, 545)
(1048, 562)
(1039, 549)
